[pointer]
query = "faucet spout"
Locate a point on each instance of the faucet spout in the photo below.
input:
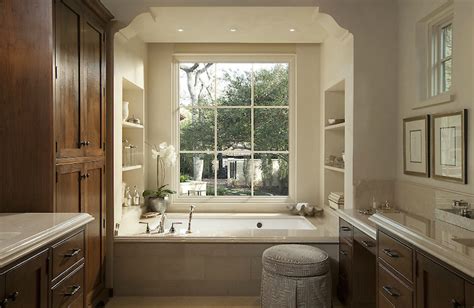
(191, 211)
(161, 227)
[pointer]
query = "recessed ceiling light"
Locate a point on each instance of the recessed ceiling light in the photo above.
(292, 30)
(233, 30)
(180, 30)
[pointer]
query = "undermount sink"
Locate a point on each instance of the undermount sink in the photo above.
(453, 216)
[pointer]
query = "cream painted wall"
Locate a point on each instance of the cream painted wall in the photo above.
(160, 113)
(410, 12)
(130, 62)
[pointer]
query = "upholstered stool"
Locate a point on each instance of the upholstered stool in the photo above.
(295, 276)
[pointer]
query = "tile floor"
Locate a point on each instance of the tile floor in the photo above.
(184, 302)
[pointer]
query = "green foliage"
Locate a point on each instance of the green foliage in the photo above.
(271, 86)
(184, 178)
(161, 192)
(234, 129)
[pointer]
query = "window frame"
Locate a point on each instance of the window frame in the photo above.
(274, 202)
(436, 60)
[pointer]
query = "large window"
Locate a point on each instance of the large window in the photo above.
(441, 55)
(234, 129)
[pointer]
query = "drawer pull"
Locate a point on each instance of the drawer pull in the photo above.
(367, 244)
(345, 229)
(390, 253)
(13, 296)
(73, 253)
(455, 303)
(342, 252)
(390, 291)
(4, 303)
(74, 290)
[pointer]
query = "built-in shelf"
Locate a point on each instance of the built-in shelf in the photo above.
(131, 125)
(336, 169)
(339, 126)
(130, 168)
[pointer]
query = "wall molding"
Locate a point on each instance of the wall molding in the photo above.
(397, 182)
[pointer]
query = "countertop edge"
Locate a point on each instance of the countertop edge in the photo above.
(368, 230)
(32, 243)
(459, 262)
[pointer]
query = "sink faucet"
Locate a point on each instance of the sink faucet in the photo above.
(191, 210)
(463, 207)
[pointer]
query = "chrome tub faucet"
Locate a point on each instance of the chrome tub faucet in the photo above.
(191, 210)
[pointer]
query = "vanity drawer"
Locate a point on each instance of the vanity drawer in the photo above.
(396, 254)
(346, 231)
(365, 240)
(70, 291)
(391, 291)
(67, 253)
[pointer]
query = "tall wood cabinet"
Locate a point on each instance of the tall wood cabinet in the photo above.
(53, 119)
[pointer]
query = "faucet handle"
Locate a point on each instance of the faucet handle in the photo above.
(172, 229)
(461, 204)
(147, 226)
(192, 207)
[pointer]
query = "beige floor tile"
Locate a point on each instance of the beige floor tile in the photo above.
(184, 302)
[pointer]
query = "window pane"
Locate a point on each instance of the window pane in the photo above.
(196, 175)
(271, 129)
(271, 84)
(196, 129)
(446, 74)
(233, 129)
(196, 84)
(234, 84)
(234, 175)
(271, 174)
(447, 41)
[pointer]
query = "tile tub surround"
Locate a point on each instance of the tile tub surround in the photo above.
(193, 269)
(21, 234)
(448, 243)
(195, 266)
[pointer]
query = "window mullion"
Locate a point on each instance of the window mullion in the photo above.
(216, 161)
(252, 124)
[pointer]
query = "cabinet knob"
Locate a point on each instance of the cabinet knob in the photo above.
(455, 303)
(13, 296)
(82, 143)
(87, 143)
(82, 176)
(4, 303)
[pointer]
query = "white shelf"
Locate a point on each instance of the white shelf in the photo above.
(336, 169)
(131, 125)
(130, 168)
(339, 126)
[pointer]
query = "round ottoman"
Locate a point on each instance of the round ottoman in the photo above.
(295, 276)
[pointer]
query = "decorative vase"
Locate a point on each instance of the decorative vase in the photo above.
(125, 111)
(159, 205)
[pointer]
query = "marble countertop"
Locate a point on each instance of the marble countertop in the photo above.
(22, 233)
(358, 220)
(448, 243)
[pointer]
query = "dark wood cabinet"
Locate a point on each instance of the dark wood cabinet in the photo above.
(26, 284)
(437, 287)
(70, 188)
(469, 292)
(357, 267)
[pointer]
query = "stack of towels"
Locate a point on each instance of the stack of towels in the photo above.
(336, 200)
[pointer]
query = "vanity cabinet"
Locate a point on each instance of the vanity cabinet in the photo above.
(356, 283)
(409, 277)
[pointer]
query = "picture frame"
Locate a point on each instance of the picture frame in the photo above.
(449, 139)
(416, 146)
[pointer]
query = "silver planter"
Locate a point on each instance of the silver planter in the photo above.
(159, 205)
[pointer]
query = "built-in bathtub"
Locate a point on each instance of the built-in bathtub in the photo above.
(222, 255)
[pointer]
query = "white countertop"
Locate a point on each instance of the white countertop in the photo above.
(447, 242)
(22, 233)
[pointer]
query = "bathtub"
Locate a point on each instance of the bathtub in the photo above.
(221, 257)
(257, 227)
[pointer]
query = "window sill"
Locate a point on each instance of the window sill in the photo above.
(439, 99)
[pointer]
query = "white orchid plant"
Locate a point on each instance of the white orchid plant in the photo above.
(165, 156)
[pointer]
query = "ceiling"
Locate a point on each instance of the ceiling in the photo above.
(229, 25)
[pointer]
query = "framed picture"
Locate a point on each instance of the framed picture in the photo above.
(416, 146)
(450, 146)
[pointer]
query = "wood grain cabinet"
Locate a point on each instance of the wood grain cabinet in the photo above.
(26, 284)
(469, 287)
(356, 283)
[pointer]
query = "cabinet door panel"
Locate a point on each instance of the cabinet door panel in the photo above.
(437, 287)
(69, 188)
(95, 206)
(68, 107)
(469, 295)
(2, 289)
(93, 72)
(28, 283)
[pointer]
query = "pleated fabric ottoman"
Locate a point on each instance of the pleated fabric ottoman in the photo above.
(295, 276)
